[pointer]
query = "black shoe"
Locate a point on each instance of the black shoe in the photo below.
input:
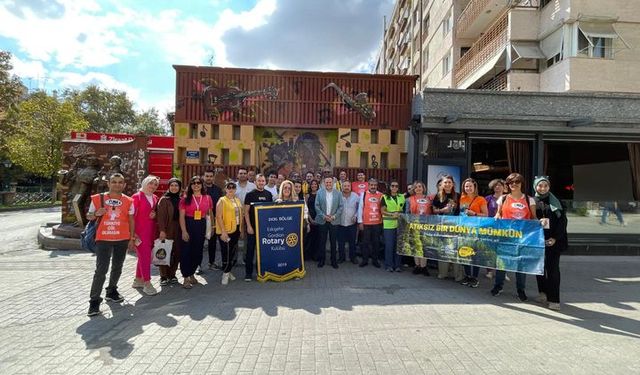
(417, 270)
(199, 271)
(164, 282)
(376, 264)
(496, 291)
(114, 296)
(173, 280)
(354, 260)
(364, 264)
(334, 265)
(94, 308)
(474, 283)
(320, 264)
(425, 271)
(465, 281)
(522, 296)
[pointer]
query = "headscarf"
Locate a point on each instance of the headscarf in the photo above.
(554, 203)
(174, 197)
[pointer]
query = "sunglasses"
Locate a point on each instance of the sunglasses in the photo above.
(514, 182)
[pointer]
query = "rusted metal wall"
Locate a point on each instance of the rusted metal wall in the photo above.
(300, 101)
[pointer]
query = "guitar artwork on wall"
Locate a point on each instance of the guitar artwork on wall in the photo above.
(218, 100)
(359, 103)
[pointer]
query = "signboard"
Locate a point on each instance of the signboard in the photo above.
(279, 246)
(508, 245)
(193, 155)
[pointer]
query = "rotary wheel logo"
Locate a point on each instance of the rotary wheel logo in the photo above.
(292, 240)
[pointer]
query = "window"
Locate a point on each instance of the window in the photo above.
(464, 50)
(215, 131)
(364, 159)
(543, 3)
(554, 60)
(425, 25)
(446, 65)
(384, 160)
(394, 137)
(344, 159)
(425, 60)
(236, 132)
(374, 136)
(204, 152)
(354, 136)
(596, 39)
(246, 157)
(446, 25)
(225, 156)
(182, 155)
(193, 131)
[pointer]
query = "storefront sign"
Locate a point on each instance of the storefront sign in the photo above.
(193, 155)
(279, 241)
(451, 146)
(508, 245)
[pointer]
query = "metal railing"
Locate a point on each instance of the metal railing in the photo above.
(498, 83)
(493, 41)
(469, 14)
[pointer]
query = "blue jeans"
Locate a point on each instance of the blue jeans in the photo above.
(391, 257)
(347, 235)
(471, 271)
(521, 279)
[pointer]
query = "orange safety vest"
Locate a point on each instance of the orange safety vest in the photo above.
(114, 224)
(420, 206)
(371, 214)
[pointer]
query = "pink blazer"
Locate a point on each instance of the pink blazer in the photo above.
(145, 227)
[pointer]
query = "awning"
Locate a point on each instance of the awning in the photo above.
(527, 50)
(598, 30)
(552, 45)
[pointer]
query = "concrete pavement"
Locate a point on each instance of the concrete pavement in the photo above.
(345, 321)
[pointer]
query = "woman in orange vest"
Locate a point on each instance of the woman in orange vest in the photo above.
(471, 204)
(145, 203)
(419, 204)
(194, 208)
(229, 227)
(519, 206)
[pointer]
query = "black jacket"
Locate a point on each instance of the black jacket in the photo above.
(557, 225)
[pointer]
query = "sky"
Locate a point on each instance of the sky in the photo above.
(131, 45)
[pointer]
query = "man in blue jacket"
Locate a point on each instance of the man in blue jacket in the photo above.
(328, 214)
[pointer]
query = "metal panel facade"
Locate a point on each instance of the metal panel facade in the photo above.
(291, 98)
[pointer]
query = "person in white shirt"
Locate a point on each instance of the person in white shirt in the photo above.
(243, 184)
(348, 223)
(271, 184)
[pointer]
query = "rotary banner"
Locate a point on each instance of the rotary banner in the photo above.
(508, 245)
(279, 244)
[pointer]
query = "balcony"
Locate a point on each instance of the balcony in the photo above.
(483, 54)
(498, 83)
(476, 16)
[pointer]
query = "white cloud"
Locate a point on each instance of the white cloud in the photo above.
(33, 69)
(105, 81)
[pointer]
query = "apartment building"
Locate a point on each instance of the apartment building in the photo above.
(515, 45)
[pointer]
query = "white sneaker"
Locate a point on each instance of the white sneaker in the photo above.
(137, 284)
(489, 275)
(542, 298)
(554, 306)
(149, 290)
(225, 278)
(232, 277)
(506, 278)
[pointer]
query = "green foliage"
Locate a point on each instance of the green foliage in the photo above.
(42, 122)
(11, 90)
(148, 122)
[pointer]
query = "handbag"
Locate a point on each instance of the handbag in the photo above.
(162, 252)
(88, 235)
(207, 234)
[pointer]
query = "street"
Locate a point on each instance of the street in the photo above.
(345, 321)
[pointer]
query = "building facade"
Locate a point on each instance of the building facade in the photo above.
(515, 45)
(291, 121)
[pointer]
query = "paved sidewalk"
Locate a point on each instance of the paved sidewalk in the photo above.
(346, 321)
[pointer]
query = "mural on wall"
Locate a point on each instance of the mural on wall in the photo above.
(289, 150)
(359, 103)
(227, 102)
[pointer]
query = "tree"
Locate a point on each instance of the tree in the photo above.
(105, 111)
(11, 91)
(148, 123)
(41, 123)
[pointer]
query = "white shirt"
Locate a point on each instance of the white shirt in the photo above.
(329, 199)
(350, 209)
(273, 190)
(241, 192)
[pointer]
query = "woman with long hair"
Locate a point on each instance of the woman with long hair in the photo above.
(445, 202)
(169, 226)
(144, 203)
(286, 192)
(471, 204)
(194, 208)
(515, 205)
(553, 219)
(229, 227)
(419, 204)
(312, 238)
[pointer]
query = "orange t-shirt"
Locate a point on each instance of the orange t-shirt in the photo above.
(114, 224)
(473, 204)
(516, 208)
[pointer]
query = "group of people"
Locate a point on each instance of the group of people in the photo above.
(353, 214)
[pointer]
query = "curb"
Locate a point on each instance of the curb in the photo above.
(48, 241)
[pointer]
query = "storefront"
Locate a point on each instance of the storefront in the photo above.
(587, 143)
